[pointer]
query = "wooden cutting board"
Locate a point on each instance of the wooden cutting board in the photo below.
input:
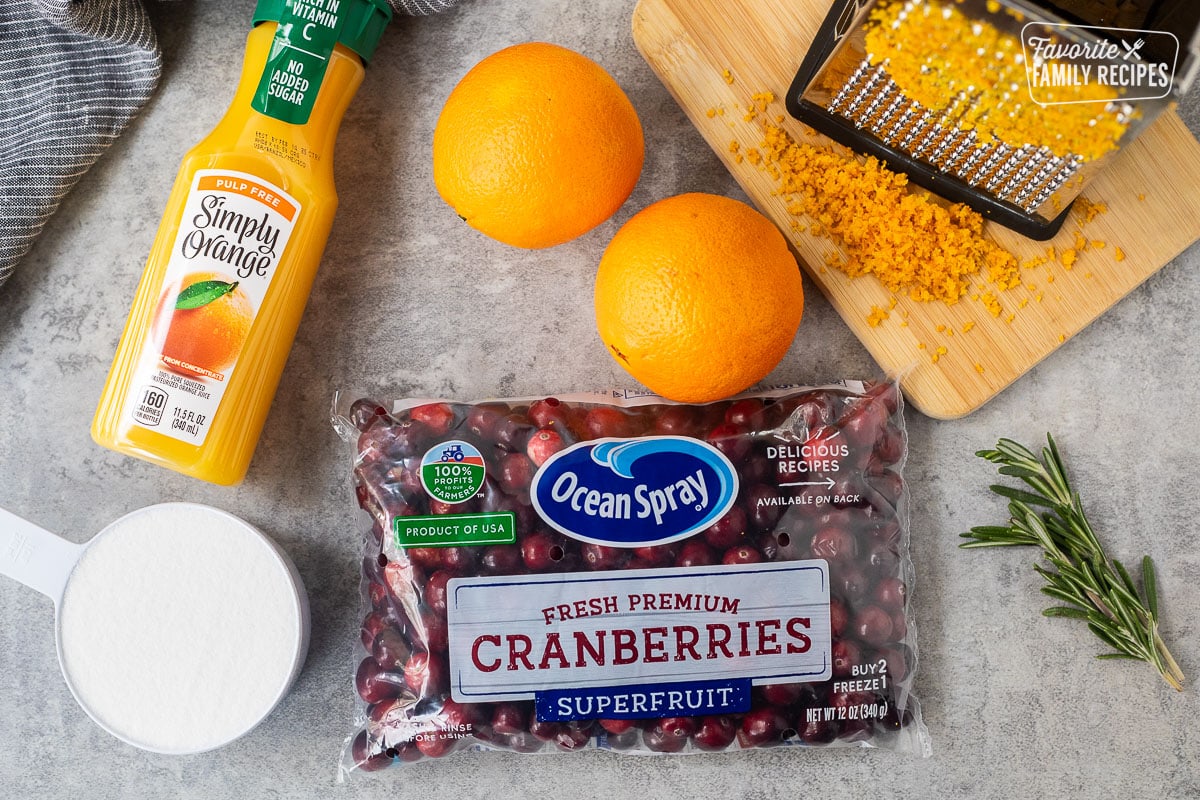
(1151, 189)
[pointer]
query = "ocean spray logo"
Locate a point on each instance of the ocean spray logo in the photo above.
(1086, 64)
(634, 492)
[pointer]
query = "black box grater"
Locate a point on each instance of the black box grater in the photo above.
(1008, 106)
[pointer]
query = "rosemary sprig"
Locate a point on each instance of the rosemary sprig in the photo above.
(1092, 587)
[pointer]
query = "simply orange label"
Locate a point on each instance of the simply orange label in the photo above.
(234, 229)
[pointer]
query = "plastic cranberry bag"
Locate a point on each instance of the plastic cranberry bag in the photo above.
(622, 572)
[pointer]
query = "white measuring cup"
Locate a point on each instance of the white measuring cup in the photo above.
(176, 690)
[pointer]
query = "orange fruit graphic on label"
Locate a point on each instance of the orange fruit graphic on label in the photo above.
(537, 145)
(698, 297)
(201, 324)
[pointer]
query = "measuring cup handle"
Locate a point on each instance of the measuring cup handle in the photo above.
(37, 558)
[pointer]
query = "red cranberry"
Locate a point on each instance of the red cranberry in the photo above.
(606, 421)
(368, 756)
(573, 735)
(548, 413)
(512, 431)
(410, 438)
(899, 626)
(728, 531)
(435, 744)
(659, 740)
(617, 726)
(882, 558)
(897, 659)
(818, 731)
(433, 632)
(656, 555)
(781, 694)
(544, 444)
(435, 590)
(501, 559)
(516, 473)
(459, 560)
(715, 733)
(732, 440)
(807, 412)
(670, 734)
(857, 730)
(888, 394)
(440, 507)
(744, 413)
(742, 554)
(839, 617)
(850, 582)
(599, 556)
(757, 468)
(509, 718)
(845, 656)
(833, 544)
(888, 484)
(890, 593)
(383, 718)
(463, 717)
(768, 545)
(483, 418)
(541, 551)
(677, 421)
(437, 417)
(391, 650)
(374, 684)
(379, 595)
(890, 447)
(763, 727)
(850, 700)
(546, 731)
(429, 558)
(695, 553)
(863, 423)
(872, 624)
(426, 675)
(523, 742)
(762, 505)
(372, 625)
(825, 450)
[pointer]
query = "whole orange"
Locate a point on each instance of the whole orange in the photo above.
(203, 341)
(698, 297)
(537, 145)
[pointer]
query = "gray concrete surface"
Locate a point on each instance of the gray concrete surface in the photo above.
(409, 301)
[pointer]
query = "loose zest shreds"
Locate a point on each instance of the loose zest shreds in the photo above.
(914, 245)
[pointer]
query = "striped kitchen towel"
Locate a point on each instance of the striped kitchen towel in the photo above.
(72, 75)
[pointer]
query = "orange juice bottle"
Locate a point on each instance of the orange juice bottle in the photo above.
(233, 262)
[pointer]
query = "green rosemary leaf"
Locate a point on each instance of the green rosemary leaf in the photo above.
(1149, 587)
(1065, 611)
(1020, 496)
(1113, 656)
(1111, 640)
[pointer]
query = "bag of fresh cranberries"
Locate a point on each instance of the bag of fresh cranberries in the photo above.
(622, 572)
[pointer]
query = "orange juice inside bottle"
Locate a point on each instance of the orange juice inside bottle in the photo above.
(244, 230)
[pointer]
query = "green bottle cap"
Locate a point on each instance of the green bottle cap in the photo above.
(365, 20)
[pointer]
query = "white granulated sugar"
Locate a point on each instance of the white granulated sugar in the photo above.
(180, 629)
